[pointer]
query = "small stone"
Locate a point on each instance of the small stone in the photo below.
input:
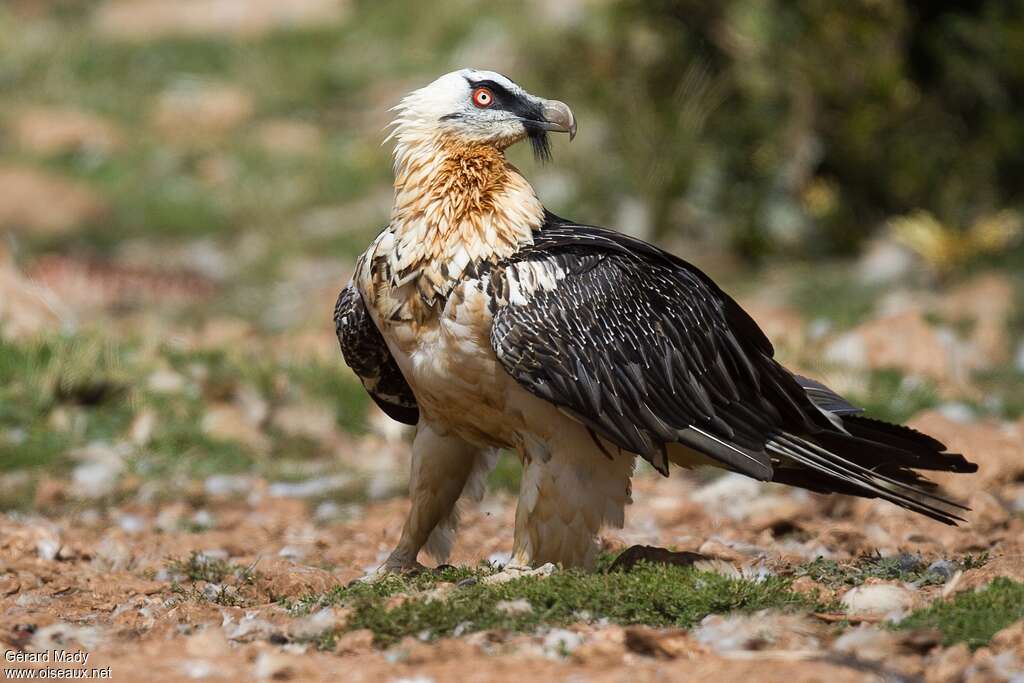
(50, 131)
(765, 630)
(310, 488)
(202, 519)
(95, 479)
(286, 137)
(949, 665)
(9, 585)
(868, 642)
(47, 543)
(987, 511)
(310, 421)
(292, 552)
(943, 568)
(282, 578)
(141, 430)
(512, 607)
(228, 422)
(512, 573)
(560, 642)
(659, 643)
(319, 622)
(274, 666)
(198, 668)
(112, 554)
(42, 203)
(877, 600)
(193, 110)
(1009, 639)
(251, 627)
(131, 524)
(100, 470)
(165, 382)
(225, 485)
(354, 642)
(728, 495)
(61, 636)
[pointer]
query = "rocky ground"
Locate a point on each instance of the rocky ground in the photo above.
(190, 480)
(242, 578)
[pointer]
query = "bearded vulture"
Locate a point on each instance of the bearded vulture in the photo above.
(489, 322)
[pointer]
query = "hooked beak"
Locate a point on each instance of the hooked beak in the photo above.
(558, 118)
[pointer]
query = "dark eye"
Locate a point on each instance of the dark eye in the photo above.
(483, 98)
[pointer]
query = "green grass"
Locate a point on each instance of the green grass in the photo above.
(891, 396)
(227, 579)
(972, 617)
(61, 393)
(507, 474)
(199, 567)
(825, 293)
(651, 594)
(906, 568)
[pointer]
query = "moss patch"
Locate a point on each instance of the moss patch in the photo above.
(972, 618)
(651, 594)
(906, 568)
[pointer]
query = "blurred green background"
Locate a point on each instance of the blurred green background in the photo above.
(184, 185)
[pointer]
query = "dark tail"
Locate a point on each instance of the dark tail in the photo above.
(873, 459)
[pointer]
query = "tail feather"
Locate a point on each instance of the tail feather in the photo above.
(930, 454)
(847, 463)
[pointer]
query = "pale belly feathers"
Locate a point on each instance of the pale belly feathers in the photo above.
(445, 354)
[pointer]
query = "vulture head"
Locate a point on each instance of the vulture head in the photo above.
(471, 107)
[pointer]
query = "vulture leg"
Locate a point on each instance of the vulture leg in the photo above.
(569, 490)
(443, 467)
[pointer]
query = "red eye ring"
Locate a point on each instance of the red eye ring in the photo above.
(483, 98)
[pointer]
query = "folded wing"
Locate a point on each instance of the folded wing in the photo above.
(646, 351)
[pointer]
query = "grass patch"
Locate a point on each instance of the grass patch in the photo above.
(222, 581)
(336, 386)
(507, 474)
(891, 396)
(825, 294)
(972, 617)
(201, 567)
(906, 568)
(655, 595)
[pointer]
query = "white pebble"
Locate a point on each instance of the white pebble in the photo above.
(880, 599)
(560, 641)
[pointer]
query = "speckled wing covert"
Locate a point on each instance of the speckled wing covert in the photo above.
(646, 351)
(367, 354)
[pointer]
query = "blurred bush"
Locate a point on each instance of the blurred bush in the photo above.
(797, 127)
(803, 122)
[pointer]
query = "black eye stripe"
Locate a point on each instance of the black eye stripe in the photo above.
(506, 100)
(501, 93)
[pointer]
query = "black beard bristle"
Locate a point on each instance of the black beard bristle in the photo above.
(540, 143)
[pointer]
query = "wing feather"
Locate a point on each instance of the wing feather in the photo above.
(366, 352)
(645, 350)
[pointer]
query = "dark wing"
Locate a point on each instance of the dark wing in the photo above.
(646, 351)
(367, 354)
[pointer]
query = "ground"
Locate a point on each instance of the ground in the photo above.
(191, 480)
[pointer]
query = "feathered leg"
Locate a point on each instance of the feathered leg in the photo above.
(570, 489)
(443, 468)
